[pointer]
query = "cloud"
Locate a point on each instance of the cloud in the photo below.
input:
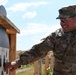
(24, 6)
(3, 2)
(35, 28)
(30, 14)
(37, 31)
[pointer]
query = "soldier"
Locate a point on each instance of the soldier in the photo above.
(62, 42)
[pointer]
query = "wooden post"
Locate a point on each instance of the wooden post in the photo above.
(37, 67)
(46, 64)
(52, 61)
(12, 51)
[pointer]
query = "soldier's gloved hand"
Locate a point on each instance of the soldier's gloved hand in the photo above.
(11, 66)
(7, 65)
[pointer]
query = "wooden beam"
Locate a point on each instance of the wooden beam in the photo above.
(4, 21)
(10, 31)
(12, 51)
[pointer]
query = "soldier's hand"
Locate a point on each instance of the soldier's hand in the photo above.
(7, 66)
(11, 66)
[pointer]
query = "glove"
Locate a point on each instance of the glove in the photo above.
(11, 66)
(7, 65)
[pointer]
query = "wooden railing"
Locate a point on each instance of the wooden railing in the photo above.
(48, 64)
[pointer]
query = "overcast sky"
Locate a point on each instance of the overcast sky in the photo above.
(36, 19)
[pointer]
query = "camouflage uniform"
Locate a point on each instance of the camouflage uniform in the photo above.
(64, 48)
(62, 44)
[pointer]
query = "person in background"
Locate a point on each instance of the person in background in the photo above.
(62, 42)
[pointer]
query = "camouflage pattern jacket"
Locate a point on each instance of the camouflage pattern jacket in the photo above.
(64, 47)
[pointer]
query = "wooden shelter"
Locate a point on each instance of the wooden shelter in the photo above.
(11, 30)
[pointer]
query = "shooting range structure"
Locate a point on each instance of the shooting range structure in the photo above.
(8, 29)
(11, 31)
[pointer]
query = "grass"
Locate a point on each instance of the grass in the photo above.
(31, 71)
(28, 72)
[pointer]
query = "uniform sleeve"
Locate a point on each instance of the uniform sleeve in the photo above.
(37, 51)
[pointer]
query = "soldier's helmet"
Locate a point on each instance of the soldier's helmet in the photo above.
(67, 12)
